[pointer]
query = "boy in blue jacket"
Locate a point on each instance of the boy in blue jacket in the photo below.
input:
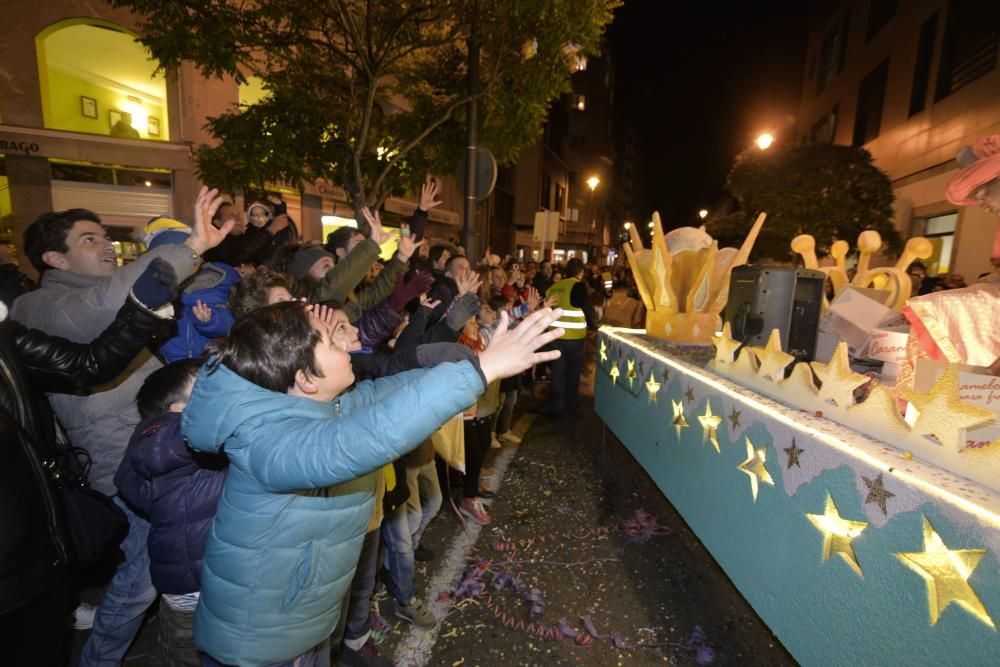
(303, 454)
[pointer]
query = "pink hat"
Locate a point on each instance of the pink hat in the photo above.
(983, 159)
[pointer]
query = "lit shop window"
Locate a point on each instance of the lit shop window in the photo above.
(578, 102)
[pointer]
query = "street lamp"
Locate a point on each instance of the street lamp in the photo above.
(703, 213)
(592, 183)
(764, 140)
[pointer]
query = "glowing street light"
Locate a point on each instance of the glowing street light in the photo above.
(703, 213)
(765, 140)
(628, 226)
(593, 182)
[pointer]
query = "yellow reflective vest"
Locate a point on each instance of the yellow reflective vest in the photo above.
(572, 320)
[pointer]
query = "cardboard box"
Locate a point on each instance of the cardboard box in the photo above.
(975, 387)
(850, 318)
(887, 344)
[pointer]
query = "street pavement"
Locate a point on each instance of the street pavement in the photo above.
(576, 519)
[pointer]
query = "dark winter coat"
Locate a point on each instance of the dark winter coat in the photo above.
(177, 489)
(211, 286)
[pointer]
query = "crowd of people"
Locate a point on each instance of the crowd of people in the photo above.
(259, 414)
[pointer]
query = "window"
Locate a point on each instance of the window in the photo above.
(871, 95)
(545, 194)
(96, 78)
(824, 131)
(578, 102)
(922, 69)
(940, 231)
(560, 197)
(970, 44)
(879, 13)
(833, 53)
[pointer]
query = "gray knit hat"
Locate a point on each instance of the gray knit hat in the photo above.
(303, 260)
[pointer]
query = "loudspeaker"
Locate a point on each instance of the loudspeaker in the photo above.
(762, 298)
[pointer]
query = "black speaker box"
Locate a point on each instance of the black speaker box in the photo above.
(789, 299)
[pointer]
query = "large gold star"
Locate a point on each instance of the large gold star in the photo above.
(839, 381)
(838, 534)
(630, 374)
(614, 372)
(943, 414)
(754, 467)
(652, 386)
(725, 346)
(946, 573)
(604, 350)
(679, 422)
(772, 360)
(710, 424)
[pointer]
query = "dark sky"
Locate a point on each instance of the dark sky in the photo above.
(699, 80)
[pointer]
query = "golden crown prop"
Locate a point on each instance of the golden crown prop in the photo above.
(683, 280)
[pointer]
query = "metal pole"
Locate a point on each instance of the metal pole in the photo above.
(471, 132)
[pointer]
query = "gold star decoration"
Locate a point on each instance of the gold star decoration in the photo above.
(943, 414)
(679, 422)
(689, 395)
(734, 418)
(614, 373)
(877, 493)
(839, 381)
(652, 386)
(793, 454)
(710, 424)
(946, 573)
(755, 468)
(725, 346)
(604, 350)
(838, 533)
(630, 374)
(772, 359)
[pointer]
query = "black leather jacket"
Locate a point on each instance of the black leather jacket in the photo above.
(33, 554)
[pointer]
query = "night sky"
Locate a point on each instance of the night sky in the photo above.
(699, 81)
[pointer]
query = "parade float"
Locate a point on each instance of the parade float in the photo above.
(860, 519)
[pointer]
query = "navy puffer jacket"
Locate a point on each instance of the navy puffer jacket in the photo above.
(177, 489)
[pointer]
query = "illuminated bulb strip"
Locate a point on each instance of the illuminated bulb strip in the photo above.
(835, 442)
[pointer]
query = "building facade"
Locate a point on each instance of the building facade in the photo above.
(913, 82)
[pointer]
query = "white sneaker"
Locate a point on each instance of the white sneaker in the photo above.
(494, 443)
(83, 617)
(511, 437)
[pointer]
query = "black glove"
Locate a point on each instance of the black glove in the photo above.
(432, 354)
(461, 310)
(157, 286)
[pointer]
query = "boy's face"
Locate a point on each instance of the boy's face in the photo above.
(487, 315)
(344, 332)
(278, 295)
(332, 361)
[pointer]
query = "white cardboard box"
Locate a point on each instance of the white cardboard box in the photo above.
(974, 387)
(850, 317)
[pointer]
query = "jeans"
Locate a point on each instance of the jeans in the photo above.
(477, 443)
(359, 608)
(424, 501)
(565, 386)
(397, 571)
(177, 637)
(506, 412)
(124, 604)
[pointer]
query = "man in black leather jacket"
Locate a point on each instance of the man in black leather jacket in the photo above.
(34, 596)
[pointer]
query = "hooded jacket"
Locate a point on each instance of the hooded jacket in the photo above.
(297, 499)
(211, 286)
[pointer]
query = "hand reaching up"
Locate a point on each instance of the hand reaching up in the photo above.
(512, 351)
(202, 311)
(428, 193)
(468, 282)
(407, 246)
(534, 299)
(378, 234)
(204, 234)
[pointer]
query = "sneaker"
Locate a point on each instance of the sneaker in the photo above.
(423, 555)
(366, 656)
(83, 617)
(416, 613)
(494, 443)
(510, 437)
(485, 494)
(473, 509)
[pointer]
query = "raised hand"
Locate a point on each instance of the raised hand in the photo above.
(407, 246)
(323, 313)
(378, 234)
(534, 299)
(429, 303)
(428, 192)
(202, 311)
(468, 282)
(204, 235)
(512, 351)
(551, 301)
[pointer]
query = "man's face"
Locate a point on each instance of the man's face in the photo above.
(320, 268)
(90, 253)
(443, 261)
(356, 238)
(546, 269)
(229, 212)
(332, 361)
(459, 268)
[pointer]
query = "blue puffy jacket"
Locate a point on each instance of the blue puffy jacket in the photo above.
(211, 286)
(177, 489)
(298, 496)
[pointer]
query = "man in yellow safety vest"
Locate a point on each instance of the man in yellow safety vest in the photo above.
(577, 317)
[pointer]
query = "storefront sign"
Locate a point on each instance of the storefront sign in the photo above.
(28, 148)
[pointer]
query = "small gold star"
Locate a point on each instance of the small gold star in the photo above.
(877, 493)
(614, 373)
(734, 418)
(839, 381)
(772, 360)
(793, 454)
(710, 424)
(604, 350)
(679, 422)
(652, 386)
(838, 534)
(630, 374)
(755, 468)
(689, 395)
(946, 573)
(725, 346)
(942, 412)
